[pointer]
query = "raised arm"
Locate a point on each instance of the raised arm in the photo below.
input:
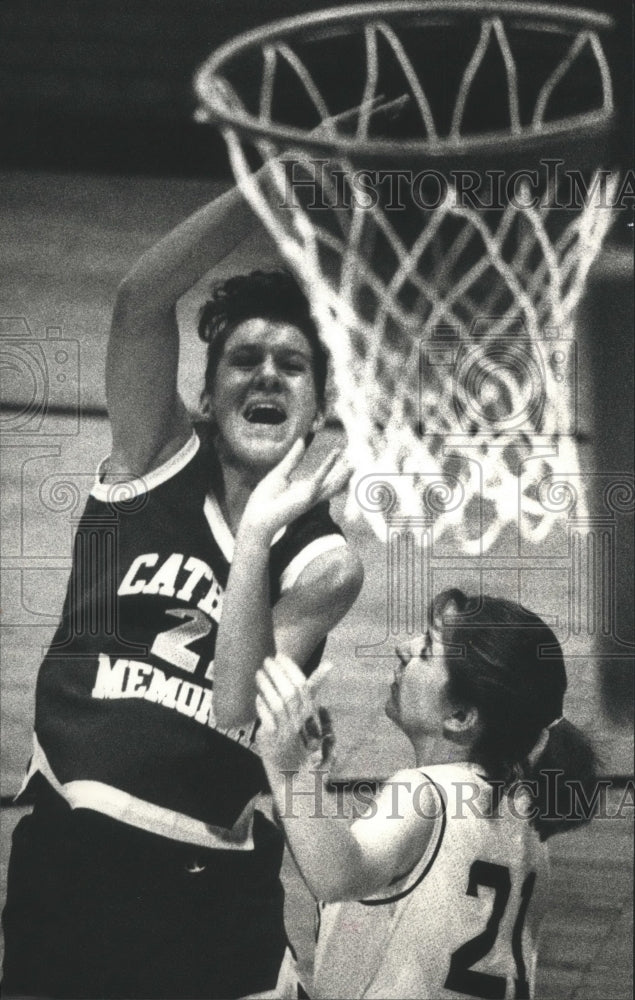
(323, 593)
(148, 419)
(338, 859)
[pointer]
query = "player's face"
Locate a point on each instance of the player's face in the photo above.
(418, 702)
(264, 393)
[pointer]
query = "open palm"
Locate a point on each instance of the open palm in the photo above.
(279, 499)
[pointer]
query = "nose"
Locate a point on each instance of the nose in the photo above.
(267, 373)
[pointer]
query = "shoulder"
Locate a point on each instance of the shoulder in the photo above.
(328, 573)
(314, 550)
(404, 829)
(412, 792)
(451, 775)
(407, 777)
(138, 451)
(314, 523)
(181, 457)
(452, 772)
(409, 796)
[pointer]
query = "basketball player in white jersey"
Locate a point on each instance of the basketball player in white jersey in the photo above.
(146, 869)
(439, 888)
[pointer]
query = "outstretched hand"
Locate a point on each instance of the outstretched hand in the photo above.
(279, 499)
(293, 729)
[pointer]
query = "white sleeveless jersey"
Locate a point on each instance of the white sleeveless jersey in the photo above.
(463, 922)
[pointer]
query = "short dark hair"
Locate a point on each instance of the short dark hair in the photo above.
(273, 295)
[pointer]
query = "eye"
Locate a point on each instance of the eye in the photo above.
(243, 359)
(295, 365)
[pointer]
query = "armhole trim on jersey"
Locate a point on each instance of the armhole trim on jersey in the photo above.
(130, 488)
(429, 857)
(221, 530)
(306, 555)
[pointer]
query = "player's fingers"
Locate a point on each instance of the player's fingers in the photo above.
(289, 682)
(326, 722)
(320, 475)
(317, 678)
(287, 464)
(270, 695)
(267, 719)
(300, 706)
(326, 731)
(318, 725)
(328, 749)
(286, 667)
(336, 480)
(328, 736)
(285, 674)
(321, 484)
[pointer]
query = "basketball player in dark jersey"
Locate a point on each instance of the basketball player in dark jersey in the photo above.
(145, 869)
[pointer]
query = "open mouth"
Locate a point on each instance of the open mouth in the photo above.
(265, 413)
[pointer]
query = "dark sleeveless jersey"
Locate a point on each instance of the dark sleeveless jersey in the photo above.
(124, 714)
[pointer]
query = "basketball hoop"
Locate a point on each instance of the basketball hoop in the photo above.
(437, 233)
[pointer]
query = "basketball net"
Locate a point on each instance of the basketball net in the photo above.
(450, 322)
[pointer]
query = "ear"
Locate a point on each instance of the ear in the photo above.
(461, 723)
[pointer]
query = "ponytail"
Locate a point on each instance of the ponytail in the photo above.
(507, 663)
(566, 780)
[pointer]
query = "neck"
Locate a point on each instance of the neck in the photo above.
(238, 485)
(437, 750)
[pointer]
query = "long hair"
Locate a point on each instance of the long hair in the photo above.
(507, 663)
(273, 295)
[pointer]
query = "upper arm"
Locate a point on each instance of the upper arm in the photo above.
(148, 418)
(393, 836)
(317, 601)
